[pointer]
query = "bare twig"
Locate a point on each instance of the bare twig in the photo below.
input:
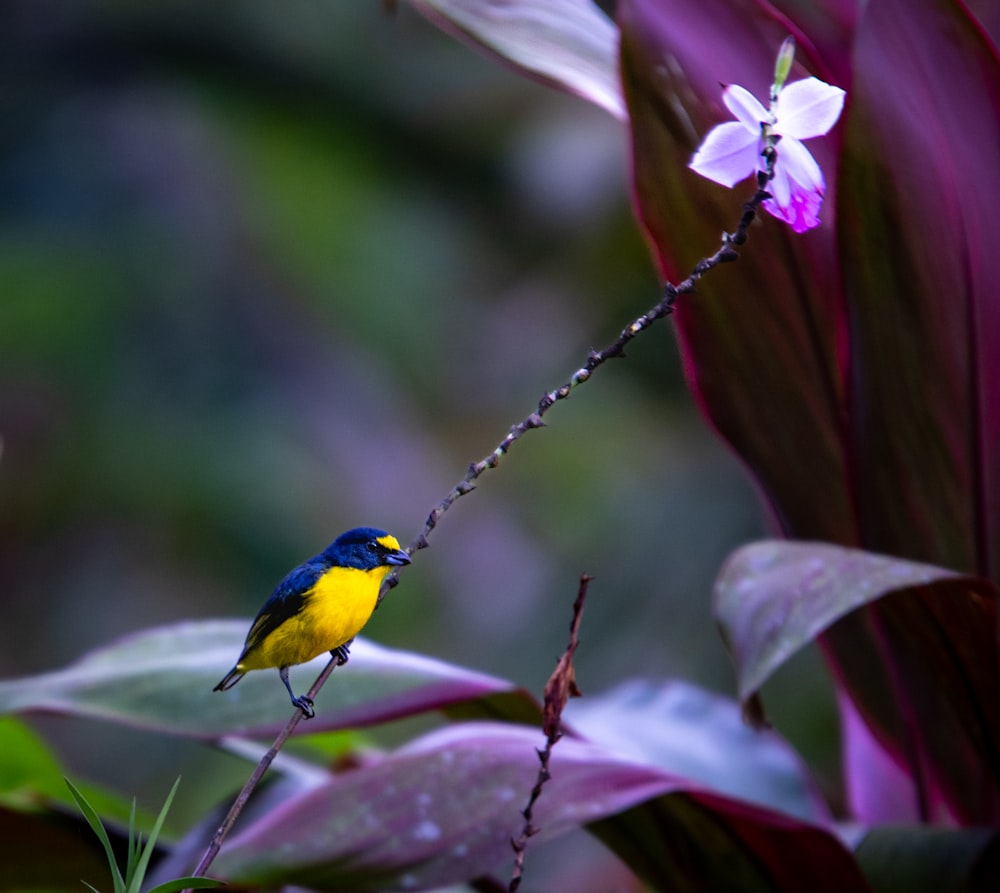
(664, 307)
(215, 844)
(558, 690)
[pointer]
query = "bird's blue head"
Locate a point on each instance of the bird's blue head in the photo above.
(365, 548)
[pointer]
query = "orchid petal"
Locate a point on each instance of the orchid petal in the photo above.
(808, 108)
(780, 186)
(797, 186)
(799, 164)
(801, 212)
(745, 107)
(728, 154)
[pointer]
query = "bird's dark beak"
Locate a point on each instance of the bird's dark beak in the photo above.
(398, 558)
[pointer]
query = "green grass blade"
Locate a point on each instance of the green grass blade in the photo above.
(134, 842)
(135, 883)
(94, 820)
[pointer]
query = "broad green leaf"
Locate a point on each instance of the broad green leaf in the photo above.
(162, 679)
(568, 44)
(29, 771)
(931, 690)
(444, 808)
(33, 781)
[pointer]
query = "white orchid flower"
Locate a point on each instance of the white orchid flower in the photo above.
(731, 152)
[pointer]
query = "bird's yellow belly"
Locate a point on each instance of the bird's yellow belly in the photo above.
(335, 611)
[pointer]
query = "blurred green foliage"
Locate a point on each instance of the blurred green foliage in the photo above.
(269, 271)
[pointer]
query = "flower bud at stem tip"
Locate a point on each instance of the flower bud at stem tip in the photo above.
(783, 65)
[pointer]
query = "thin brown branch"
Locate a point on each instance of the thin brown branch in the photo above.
(726, 253)
(558, 690)
(665, 307)
(215, 844)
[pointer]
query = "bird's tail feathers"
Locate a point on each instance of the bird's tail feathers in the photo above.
(230, 679)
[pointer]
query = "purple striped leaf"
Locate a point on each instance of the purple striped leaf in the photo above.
(929, 686)
(443, 810)
(567, 44)
(162, 678)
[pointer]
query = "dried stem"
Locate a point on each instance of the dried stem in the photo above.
(558, 690)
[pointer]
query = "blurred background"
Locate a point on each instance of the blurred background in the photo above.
(270, 271)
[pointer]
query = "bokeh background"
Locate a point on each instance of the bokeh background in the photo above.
(273, 270)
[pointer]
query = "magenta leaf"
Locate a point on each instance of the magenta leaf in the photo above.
(917, 211)
(759, 338)
(878, 790)
(773, 598)
(929, 689)
(567, 44)
(915, 215)
(853, 368)
(844, 406)
(694, 734)
(443, 810)
(700, 842)
(162, 679)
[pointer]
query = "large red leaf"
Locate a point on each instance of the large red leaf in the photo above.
(871, 415)
(701, 842)
(443, 810)
(919, 182)
(901, 459)
(929, 687)
(877, 789)
(762, 339)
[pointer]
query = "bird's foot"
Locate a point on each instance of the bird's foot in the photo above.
(305, 705)
(342, 653)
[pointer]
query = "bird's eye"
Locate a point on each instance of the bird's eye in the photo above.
(373, 546)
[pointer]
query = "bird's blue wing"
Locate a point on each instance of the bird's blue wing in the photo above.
(288, 598)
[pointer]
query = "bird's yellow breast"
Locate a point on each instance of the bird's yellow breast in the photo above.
(336, 608)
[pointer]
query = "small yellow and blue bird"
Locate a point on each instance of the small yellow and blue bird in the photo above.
(320, 606)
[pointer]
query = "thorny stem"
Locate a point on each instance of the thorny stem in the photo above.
(559, 689)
